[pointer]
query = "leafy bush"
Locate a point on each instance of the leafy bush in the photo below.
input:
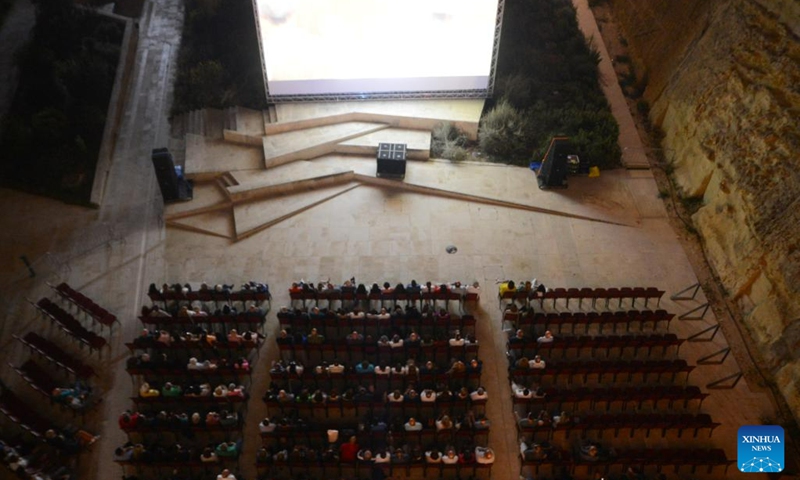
(548, 85)
(219, 63)
(448, 142)
(53, 131)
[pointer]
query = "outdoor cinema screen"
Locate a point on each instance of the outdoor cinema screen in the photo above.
(370, 47)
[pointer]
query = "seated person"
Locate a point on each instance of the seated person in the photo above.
(589, 452)
(532, 453)
(546, 338)
(145, 391)
(267, 426)
(433, 456)
(484, 455)
(450, 456)
(170, 390)
(412, 425)
(507, 286)
(208, 456)
(227, 450)
(479, 395)
(537, 362)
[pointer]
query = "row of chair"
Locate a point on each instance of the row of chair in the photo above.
(69, 324)
(347, 296)
(359, 469)
(330, 324)
(625, 396)
(166, 402)
(184, 374)
(617, 422)
(37, 377)
(237, 321)
(21, 413)
(86, 304)
(616, 369)
(372, 408)
(340, 380)
(55, 355)
(426, 436)
(639, 458)
(602, 320)
(633, 293)
(572, 346)
(149, 343)
(342, 350)
(208, 296)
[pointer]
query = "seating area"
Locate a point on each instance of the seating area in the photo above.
(172, 297)
(594, 346)
(636, 460)
(558, 321)
(191, 376)
(525, 294)
(71, 326)
(378, 380)
(32, 460)
(555, 398)
(76, 397)
(86, 305)
(588, 379)
(56, 356)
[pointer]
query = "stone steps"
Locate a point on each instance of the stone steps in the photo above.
(310, 143)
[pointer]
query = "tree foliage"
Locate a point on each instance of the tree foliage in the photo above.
(547, 85)
(219, 63)
(53, 131)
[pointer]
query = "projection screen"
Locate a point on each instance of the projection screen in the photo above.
(323, 49)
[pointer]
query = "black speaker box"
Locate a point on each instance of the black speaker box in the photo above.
(554, 170)
(165, 174)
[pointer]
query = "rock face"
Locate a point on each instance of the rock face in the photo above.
(724, 85)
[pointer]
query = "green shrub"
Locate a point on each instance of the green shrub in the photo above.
(219, 64)
(448, 142)
(502, 134)
(53, 131)
(548, 83)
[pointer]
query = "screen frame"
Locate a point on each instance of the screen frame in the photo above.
(387, 95)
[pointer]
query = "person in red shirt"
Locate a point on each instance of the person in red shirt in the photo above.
(348, 451)
(128, 420)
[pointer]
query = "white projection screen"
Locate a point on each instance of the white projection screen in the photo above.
(318, 49)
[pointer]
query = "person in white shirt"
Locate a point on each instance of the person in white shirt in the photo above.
(484, 455)
(457, 340)
(412, 425)
(396, 342)
(267, 426)
(450, 457)
(335, 367)
(546, 338)
(478, 395)
(382, 370)
(395, 397)
(520, 391)
(537, 362)
(226, 475)
(428, 395)
(382, 457)
(433, 456)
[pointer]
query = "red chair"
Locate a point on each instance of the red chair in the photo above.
(573, 293)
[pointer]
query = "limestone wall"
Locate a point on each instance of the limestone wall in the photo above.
(724, 85)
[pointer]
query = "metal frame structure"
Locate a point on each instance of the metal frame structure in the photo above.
(423, 95)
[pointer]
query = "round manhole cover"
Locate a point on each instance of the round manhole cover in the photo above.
(451, 249)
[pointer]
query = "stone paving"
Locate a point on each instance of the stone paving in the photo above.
(114, 253)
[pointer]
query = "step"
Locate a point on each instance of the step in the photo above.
(418, 143)
(313, 142)
(231, 114)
